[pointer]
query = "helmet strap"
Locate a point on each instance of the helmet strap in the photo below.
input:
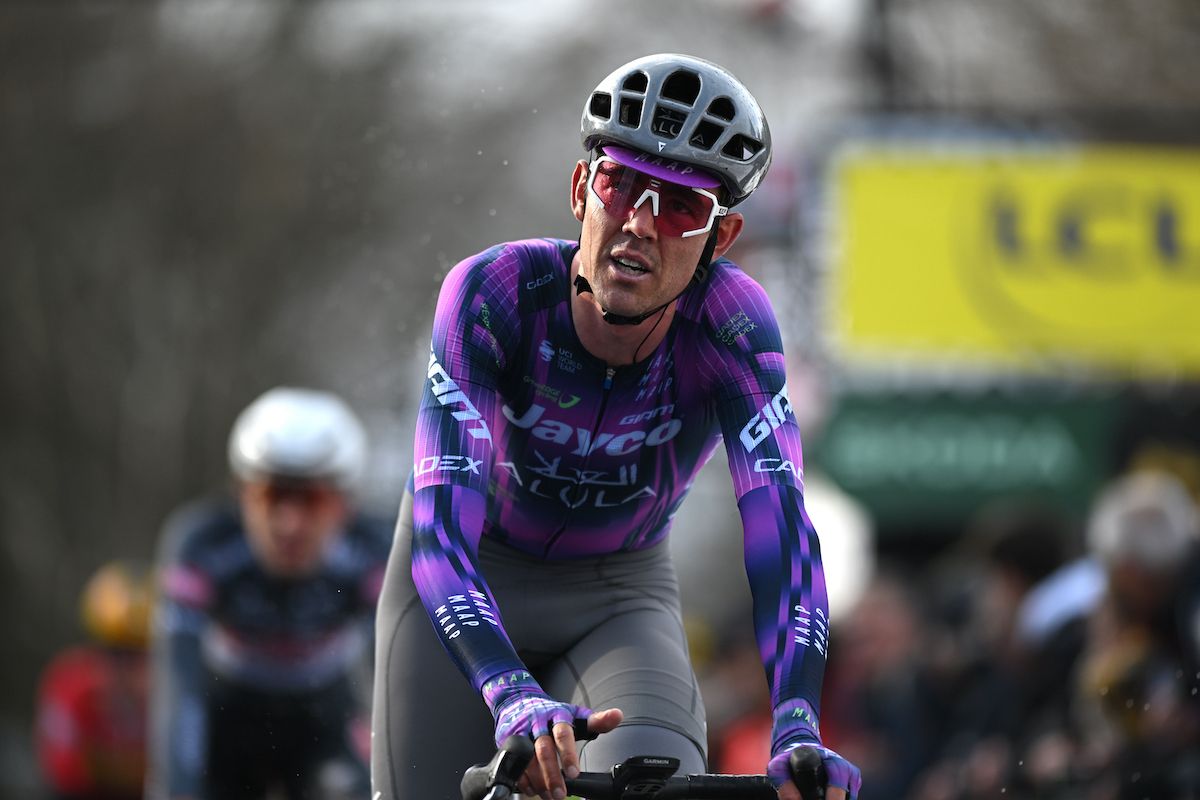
(710, 247)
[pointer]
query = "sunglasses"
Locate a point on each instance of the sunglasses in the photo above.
(310, 495)
(681, 211)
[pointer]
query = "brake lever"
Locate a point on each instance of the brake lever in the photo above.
(808, 773)
(501, 773)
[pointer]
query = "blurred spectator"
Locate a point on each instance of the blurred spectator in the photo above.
(1043, 664)
(999, 690)
(261, 637)
(1141, 671)
(877, 693)
(90, 731)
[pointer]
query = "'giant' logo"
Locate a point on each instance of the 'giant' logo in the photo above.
(449, 395)
(768, 419)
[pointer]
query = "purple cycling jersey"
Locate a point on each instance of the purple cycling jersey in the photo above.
(525, 437)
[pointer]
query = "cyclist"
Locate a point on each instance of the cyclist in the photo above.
(573, 392)
(90, 733)
(265, 615)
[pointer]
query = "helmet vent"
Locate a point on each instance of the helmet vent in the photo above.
(601, 105)
(631, 112)
(741, 148)
(723, 108)
(635, 82)
(682, 86)
(667, 122)
(706, 135)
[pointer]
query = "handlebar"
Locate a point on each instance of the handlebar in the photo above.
(642, 777)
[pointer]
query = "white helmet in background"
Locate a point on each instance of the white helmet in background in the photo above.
(1148, 517)
(300, 434)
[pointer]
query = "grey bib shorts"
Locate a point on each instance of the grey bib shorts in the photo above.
(601, 632)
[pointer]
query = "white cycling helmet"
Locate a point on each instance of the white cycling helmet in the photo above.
(299, 433)
(1147, 517)
(686, 109)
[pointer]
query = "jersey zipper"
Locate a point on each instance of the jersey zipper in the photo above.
(609, 374)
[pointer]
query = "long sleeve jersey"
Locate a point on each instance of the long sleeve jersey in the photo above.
(220, 614)
(525, 437)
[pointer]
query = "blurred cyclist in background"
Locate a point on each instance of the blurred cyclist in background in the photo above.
(574, 390)
(1141, 668)
(90, 731)
(261, 636)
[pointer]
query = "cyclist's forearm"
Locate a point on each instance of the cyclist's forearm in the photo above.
(791, 609)
(447, 523)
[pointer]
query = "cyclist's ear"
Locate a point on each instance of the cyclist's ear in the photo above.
(579, 191)
(728, 230)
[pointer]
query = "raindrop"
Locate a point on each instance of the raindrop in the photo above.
(491, 212)
(506, 162)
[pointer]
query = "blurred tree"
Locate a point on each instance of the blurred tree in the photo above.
(157, 211)
(1117, 68)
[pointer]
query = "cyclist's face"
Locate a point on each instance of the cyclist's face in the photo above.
(634, 258)
(290, 523)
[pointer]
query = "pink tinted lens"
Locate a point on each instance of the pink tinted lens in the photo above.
(680, 209)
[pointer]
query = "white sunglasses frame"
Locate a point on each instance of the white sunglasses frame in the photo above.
(718, 210)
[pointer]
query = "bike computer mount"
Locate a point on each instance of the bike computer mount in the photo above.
(642, 776)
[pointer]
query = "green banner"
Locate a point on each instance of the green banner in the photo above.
(934, 458)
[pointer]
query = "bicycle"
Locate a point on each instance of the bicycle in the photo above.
(640, 778)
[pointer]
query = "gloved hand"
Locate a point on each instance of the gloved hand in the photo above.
(520, 706)
(796, 726)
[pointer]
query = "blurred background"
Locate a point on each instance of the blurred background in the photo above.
(981, 233)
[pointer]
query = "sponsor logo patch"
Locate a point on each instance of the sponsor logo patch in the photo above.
(766, 421)
(450, 396)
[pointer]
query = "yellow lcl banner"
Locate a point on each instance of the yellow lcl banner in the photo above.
(1026, 260)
